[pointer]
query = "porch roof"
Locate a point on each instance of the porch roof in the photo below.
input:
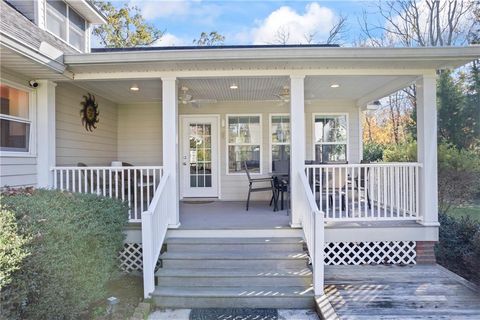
(279, 58)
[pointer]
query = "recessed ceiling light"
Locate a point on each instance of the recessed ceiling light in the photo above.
(233, 86)
(134, 88)
(334, 85)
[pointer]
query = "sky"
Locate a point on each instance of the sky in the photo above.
(248, 22)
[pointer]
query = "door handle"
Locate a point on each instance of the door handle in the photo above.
(184, 163)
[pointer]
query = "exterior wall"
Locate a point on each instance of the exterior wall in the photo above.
(140, 134)
(73, 142)
(19, 171)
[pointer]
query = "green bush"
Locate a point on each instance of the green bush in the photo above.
(373, 152)
(458, 247)
(12, 246)
(458, 176)
(405, 152)
(74, 247)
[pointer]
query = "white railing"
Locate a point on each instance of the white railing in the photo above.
(154, 229)
(360, 192)
(314, 233)
(135, 185)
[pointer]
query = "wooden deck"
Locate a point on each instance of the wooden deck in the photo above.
(400, 292)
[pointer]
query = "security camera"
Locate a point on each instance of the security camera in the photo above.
(33, 83)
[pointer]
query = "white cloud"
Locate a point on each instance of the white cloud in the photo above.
(169, 40)
(161, 8)
(316, 20)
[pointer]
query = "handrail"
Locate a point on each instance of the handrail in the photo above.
(154, 230)
(314, 234)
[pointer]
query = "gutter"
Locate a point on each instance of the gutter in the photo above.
(184, 54)
(34, 54)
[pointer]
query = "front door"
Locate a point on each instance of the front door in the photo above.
(199, 156)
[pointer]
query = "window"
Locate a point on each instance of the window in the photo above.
(14, 119)
(330, 134)
(66, 24)
(279, 138)
(244, 143)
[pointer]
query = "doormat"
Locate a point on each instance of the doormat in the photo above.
(198, 201)
(233, 314)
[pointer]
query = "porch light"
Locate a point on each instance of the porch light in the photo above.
(134, 88)
(334, 85)
(234, 86)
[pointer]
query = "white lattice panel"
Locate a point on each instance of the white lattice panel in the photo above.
(131, 258)
(375, 252)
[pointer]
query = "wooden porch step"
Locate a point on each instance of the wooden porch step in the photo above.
(235, 244)
(234, 259)
(229, 297)
(234, 277)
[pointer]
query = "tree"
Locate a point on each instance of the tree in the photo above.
(450, 100)
(413, 23)
(125, 27)
(209, 39)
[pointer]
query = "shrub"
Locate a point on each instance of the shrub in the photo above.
(373, 152)
(74, 247)
(405, 152)
(12, 246)
(458, 248)
(458, 176)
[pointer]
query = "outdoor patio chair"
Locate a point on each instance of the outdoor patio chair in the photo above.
(281, 181)
(251, 188)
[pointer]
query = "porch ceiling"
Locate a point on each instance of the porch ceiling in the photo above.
(249, 88)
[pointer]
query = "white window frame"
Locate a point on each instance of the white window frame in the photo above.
(227, 136)
(270, 142)
(326, 114)
(67, 26)
(32, 108)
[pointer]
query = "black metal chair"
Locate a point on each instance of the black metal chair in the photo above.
(251, 188)
(281, 181)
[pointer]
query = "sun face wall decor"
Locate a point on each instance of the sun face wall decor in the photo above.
(89, 112)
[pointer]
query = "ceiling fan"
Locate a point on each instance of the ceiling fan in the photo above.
(185, 98)
(284, 94)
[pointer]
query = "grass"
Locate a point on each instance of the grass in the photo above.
(128, 289)
(472, 210)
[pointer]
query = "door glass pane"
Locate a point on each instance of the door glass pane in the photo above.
(200, 155)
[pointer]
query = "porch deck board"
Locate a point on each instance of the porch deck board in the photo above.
(400, 292)
(231, 215)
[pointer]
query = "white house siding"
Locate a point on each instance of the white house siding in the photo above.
(18, 171)
(140, 133)
(73, 142)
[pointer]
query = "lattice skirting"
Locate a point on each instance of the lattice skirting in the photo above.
(131, 258)
(375, 252)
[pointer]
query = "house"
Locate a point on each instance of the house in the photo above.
(169, 130)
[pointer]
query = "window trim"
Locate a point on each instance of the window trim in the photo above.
(347, 142)
(227, 144)
(32, 108)
(67, 27)
(270, 143)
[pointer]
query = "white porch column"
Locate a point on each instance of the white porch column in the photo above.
(427, 148)
(170, 146)
(297, 147)
(45, 127)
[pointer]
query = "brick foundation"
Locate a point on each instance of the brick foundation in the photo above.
(425, 252)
